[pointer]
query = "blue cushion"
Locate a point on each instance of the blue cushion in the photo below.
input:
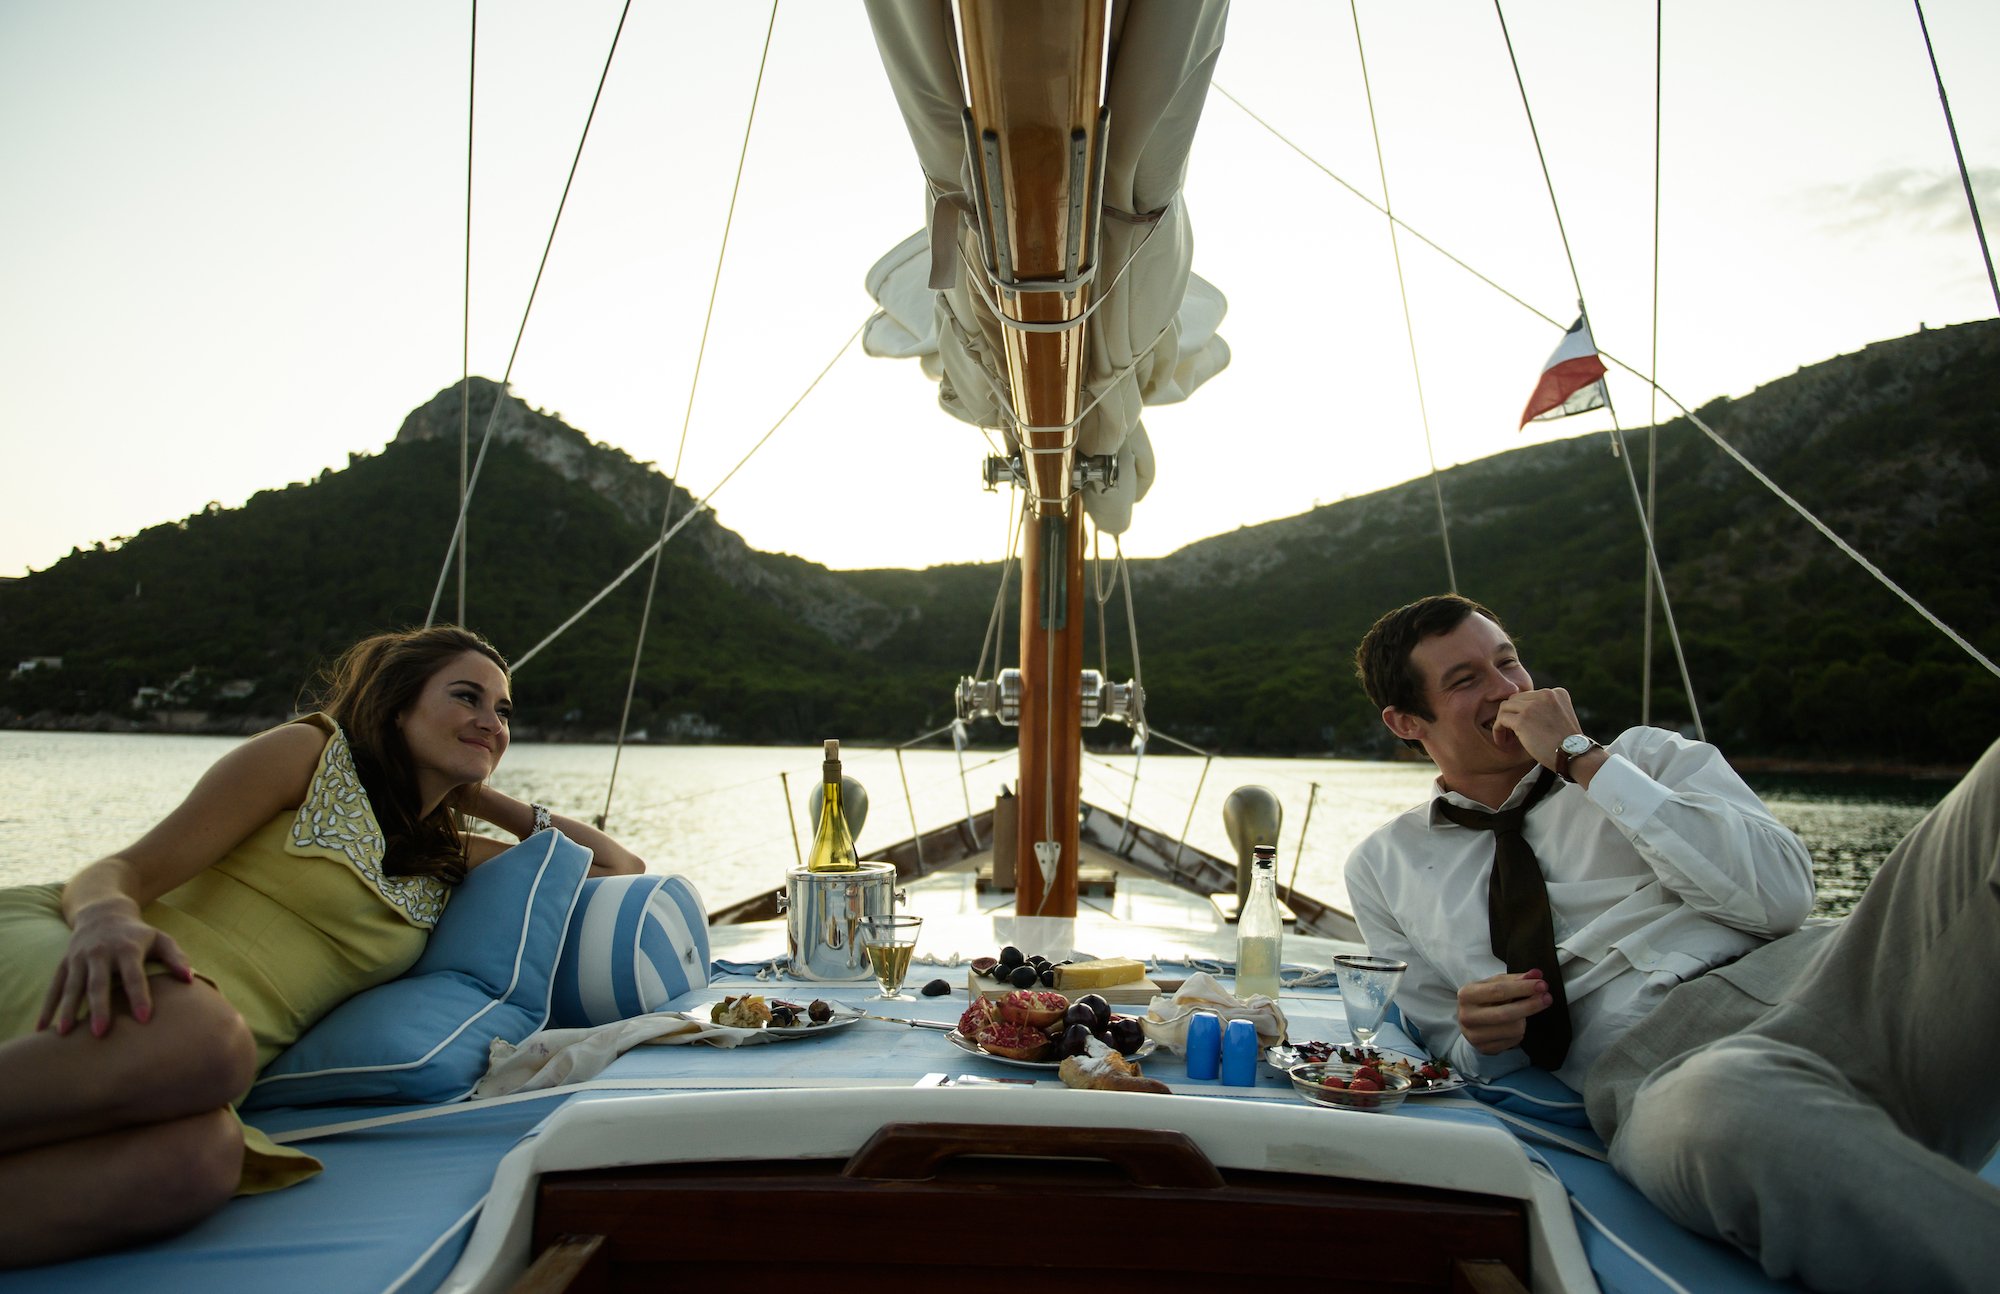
(634, 943)
(485, 973)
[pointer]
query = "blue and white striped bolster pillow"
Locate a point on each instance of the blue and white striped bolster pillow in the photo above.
(635, 942)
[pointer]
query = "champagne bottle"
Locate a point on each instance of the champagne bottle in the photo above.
(1260, 931)
(833, 844)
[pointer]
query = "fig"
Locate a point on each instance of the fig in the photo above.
(1010, 956)
(936, 988)
(1075, 1041)
(1022, 976)
(1126, 1035)
(1047, 979)
(1079, 1013)
(985, 966)
(1096, 1002)
(819, 1012)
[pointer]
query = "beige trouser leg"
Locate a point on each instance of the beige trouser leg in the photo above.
(1836, 1134)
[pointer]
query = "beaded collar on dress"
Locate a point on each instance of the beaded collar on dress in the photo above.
(337, 821)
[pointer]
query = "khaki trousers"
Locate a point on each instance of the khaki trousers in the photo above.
(1825, 1103)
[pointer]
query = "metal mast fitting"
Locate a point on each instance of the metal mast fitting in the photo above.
(1035, 136)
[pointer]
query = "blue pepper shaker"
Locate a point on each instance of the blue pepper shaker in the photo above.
(1204, 1044)
(1239, 1054)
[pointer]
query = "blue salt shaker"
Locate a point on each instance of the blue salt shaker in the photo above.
(1204, 1044)
(1239, 1054)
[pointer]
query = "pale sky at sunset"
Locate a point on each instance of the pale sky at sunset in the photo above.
(231, 242)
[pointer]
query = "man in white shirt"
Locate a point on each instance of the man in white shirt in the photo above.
(1776, 1103)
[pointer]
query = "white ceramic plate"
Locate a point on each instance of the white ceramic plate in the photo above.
(840, 1020)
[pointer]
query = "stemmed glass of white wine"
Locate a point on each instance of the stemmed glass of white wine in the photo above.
(1367, 987)
(889, 941)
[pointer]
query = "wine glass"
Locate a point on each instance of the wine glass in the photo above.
(1367, 986)
(889, 941)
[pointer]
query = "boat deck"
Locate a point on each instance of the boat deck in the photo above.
(1142, 917)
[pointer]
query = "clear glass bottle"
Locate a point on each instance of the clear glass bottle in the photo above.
(833, 844)
(1260, 931)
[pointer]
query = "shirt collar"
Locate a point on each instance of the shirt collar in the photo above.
(1518, 794)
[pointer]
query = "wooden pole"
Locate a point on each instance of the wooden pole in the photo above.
(1034, 79)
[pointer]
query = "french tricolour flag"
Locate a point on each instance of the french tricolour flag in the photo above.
(1572, 380)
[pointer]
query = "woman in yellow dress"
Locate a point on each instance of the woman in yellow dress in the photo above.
(139, 1000)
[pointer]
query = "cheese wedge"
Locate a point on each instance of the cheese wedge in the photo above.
(1100, 974)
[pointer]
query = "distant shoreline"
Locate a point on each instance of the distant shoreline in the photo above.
(244, 726)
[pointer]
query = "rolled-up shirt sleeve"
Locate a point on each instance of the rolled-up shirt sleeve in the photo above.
(1705, 834)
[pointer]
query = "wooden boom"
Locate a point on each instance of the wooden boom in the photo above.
(1035, 79)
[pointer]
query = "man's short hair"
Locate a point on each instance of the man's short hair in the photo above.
(1382, 661)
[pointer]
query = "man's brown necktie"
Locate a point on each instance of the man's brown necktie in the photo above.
(1517, 914)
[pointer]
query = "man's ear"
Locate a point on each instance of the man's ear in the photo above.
(1410, 727)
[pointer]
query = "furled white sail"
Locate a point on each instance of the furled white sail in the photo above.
(1152, 339)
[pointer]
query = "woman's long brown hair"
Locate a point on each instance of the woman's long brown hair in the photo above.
(365, 691)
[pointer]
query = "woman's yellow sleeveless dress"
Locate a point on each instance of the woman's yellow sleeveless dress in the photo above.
(290, 924)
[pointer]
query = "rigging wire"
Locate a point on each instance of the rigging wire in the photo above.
(1652, 393)
(1612, 358)
(1617, 434)
(1402, 289)
(465, 303)
(1964, 178)
(701, 505)
(687, 417)
(499, 396)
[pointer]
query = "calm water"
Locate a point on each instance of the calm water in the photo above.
(719, 814)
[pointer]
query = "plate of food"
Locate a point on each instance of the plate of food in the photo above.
(773, 1017)
(1428, 1077)
(1036, 1029)
(1050, 1050)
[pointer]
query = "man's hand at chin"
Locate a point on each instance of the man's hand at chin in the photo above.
(1538, 721)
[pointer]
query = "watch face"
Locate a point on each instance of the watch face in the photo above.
(1575, 744)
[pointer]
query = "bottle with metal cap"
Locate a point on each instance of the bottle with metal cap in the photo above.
(1260, 930)
(833, 844)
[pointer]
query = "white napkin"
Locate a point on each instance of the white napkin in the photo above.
(553, 1057)
(1166, 1019)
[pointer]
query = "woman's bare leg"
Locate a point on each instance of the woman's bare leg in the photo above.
(193, 1056)
(116, 1188)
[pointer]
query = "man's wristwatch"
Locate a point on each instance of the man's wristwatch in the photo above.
(1574, 746)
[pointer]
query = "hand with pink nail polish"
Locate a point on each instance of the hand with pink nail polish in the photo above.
(108, 950)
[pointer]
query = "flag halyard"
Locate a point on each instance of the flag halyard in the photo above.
(1572, 380)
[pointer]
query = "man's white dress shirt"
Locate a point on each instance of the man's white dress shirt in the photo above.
(1666, 865)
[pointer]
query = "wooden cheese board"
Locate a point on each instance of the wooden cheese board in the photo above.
(1136, 992)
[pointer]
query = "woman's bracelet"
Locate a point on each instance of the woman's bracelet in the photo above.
(541, 819)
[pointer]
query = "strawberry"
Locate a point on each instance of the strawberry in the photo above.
(1362, 1083)
(1334, 1080)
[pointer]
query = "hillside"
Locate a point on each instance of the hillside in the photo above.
(1245, 637)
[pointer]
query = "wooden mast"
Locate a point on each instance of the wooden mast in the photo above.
(1034, 77)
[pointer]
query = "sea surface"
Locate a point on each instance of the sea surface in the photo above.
(726, 816)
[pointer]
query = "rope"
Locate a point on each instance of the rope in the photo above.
(1612, 359)
(1652, 394)
(1617, 435)
(465, 302)
(687, 417)
(1964, 178)
(702, 505)
(486, 438)
(1837, 541)
(1401, 224)
(995, 624)
(1402, 290)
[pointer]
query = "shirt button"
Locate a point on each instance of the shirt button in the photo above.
(1618, 807)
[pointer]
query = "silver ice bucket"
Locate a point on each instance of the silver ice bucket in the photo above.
(823, 912)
